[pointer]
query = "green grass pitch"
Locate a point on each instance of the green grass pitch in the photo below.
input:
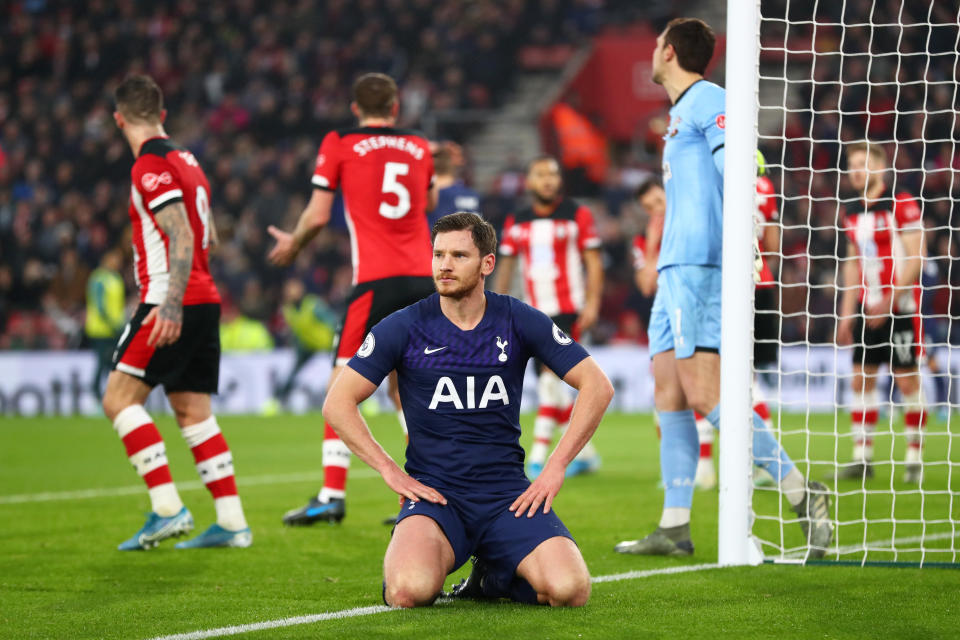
(61, 577)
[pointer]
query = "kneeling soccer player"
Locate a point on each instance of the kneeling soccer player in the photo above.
(460, 356)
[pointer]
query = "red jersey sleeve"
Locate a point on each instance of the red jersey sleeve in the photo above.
(766, 200)
(508, 243)
(326, 173)
(906, 212)
(587, 237)
(157, 182)
(639, 252)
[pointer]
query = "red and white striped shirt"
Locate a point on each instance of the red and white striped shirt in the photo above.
(385, 175)
(163, 174)
(875, 231)
(551, 247)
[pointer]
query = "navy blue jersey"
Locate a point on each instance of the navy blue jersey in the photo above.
(456, 197)
(461, 389)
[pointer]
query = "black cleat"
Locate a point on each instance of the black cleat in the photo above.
(471, 587)
(332, 511)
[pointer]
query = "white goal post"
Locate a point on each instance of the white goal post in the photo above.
(806, 81)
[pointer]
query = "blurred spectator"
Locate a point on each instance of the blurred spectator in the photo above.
(105, 314)
(239, 333)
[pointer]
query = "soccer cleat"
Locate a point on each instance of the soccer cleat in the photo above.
(534, 469)
(855, 471)
(332, 511)
(471, 587)
(814, 513)
(706, 476)
(913, 473)
(580, 467)
(659, 543)
(217, 536)
(158, 528)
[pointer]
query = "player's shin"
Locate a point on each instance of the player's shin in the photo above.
(147, 454)
(914, 420)
(679, 450)
(336, 462)
(706, 477)
(863, 424)
(214, 463)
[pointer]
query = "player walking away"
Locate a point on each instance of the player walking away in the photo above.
(685, 320)
(452, 194)
(880, 312)
(173, 338)
(563, 277)
(386, 176)
(460, 357)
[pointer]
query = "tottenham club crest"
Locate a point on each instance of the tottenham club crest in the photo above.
(560, 336)
(367, 347)
(502, 345)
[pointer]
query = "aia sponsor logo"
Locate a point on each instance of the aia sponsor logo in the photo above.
(152, 181)
(722, 121)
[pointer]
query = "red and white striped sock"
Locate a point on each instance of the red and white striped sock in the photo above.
(705, 433)
(543, 427)
(336, 462)
(215, 466)
(914, 418)
(148, 455)
(863, 424)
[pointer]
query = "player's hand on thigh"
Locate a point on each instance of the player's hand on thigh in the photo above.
(541, 491)
(167, 322)
(410, 488)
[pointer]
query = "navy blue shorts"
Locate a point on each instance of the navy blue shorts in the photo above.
(480, 525)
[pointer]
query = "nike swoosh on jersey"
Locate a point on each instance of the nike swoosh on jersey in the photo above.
(428, 350)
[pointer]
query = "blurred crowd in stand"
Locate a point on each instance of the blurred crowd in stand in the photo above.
(252, 86)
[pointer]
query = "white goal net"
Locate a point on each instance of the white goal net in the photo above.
(859, 121)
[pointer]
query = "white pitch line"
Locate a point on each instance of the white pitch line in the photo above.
(632, 575)
(277, 624)
(888, 545)
(192, 485)
(367, 611)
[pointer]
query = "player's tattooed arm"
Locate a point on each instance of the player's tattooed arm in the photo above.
(169, 315)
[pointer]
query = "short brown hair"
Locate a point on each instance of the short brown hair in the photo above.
(139, 98)
(484, 235)
(543, 157)
(874, 149)
(375, 94)
(693, 40)
(443, 162)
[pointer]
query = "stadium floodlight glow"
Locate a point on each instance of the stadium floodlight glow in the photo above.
(804, 81)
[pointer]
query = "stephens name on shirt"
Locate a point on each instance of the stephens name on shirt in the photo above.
(373, 143)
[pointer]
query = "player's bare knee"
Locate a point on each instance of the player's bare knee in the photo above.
(571, 590)
(113, 404)
(405, 593)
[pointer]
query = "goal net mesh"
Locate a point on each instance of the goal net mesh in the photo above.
(831, 74)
